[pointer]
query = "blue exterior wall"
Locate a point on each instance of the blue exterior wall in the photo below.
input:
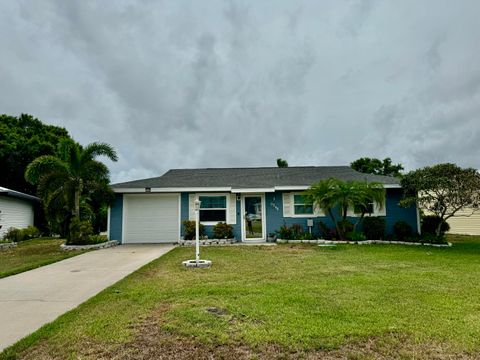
(183, 210)
(274, 215)
(394, 213)
(275, 219)
(116, 215)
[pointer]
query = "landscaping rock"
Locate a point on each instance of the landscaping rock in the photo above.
(207, 242)
(103, 245)
(5, 246)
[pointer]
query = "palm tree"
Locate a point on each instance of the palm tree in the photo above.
(334, 194)
(63, 179)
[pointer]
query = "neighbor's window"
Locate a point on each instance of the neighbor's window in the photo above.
(299, 206)
(213, 208)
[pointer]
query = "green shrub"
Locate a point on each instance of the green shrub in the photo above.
(297, 231)
(97, 239)
(189, 230)
(326, 232)
(306, 236)
(345, 226)
(374, 228)
(17, 235)
(285, 233)
(13, 234)
(294, 232)
(80, 231)
(414, 238)
(434, 239)
(402, 230)
(430, 223)
(31, 232)
(223, 231)
(355, 236)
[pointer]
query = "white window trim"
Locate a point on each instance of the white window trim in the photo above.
(318, 213)
(227, 203)
(376, 211)
(293, 208)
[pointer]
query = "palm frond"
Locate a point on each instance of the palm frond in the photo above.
(95, 171)
(95, 149)
(50, 182)
(42, 165)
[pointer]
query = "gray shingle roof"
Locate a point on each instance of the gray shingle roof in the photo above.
(259, 177)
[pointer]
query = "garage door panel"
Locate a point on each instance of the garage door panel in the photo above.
(151, 218)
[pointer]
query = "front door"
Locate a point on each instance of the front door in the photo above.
(253, 227)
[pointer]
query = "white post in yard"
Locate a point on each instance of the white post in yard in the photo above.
(197, 231)
(197, 263)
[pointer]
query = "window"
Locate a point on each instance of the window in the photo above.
(299, 206)
(368, 209)
(213, 208)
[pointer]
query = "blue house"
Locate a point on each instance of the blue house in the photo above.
(255, 201)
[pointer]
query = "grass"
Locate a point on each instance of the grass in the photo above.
(32, 254)
(287, 301)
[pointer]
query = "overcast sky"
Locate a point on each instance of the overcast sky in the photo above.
(181, 84)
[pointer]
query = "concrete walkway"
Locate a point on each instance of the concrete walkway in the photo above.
(36, 297)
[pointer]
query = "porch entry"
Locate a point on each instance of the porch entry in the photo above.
(253, 219)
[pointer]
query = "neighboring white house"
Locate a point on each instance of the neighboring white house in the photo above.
(16, 209)
(465, 223)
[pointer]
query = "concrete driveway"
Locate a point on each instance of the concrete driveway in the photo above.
(36, 297)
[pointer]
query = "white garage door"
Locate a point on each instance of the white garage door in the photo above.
(151, 218)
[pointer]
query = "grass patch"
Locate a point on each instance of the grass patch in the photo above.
(32, 254)
(294, 301)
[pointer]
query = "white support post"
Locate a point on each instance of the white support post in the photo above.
(197, 263)
(197, 231)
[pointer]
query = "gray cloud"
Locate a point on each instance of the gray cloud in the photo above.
(177, 84)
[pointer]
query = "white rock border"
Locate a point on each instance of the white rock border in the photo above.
(207, 242)
(9, 245)
(103, 245)
(200, 264)
(365, 242)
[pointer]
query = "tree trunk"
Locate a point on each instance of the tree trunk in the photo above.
(77, 204)
(78, 192)
(358, 221)
(438, 231)
(335, 222)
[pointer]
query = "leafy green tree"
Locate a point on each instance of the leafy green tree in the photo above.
(68, 180)
(442, 190)
(336, 197)
(282, 163)
(23, 139)
(376, 166)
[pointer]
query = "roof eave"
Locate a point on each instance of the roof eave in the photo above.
(140, 190)
(19, 195)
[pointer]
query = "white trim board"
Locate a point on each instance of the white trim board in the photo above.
(225, 189)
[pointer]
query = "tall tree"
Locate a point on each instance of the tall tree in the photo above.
(336, 197)
(23, 139)
(71, 176)
(443, 190)
(376, 166)
(282, 163)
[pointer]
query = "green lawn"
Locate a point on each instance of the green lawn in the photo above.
(31, 254)
(287, 301)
